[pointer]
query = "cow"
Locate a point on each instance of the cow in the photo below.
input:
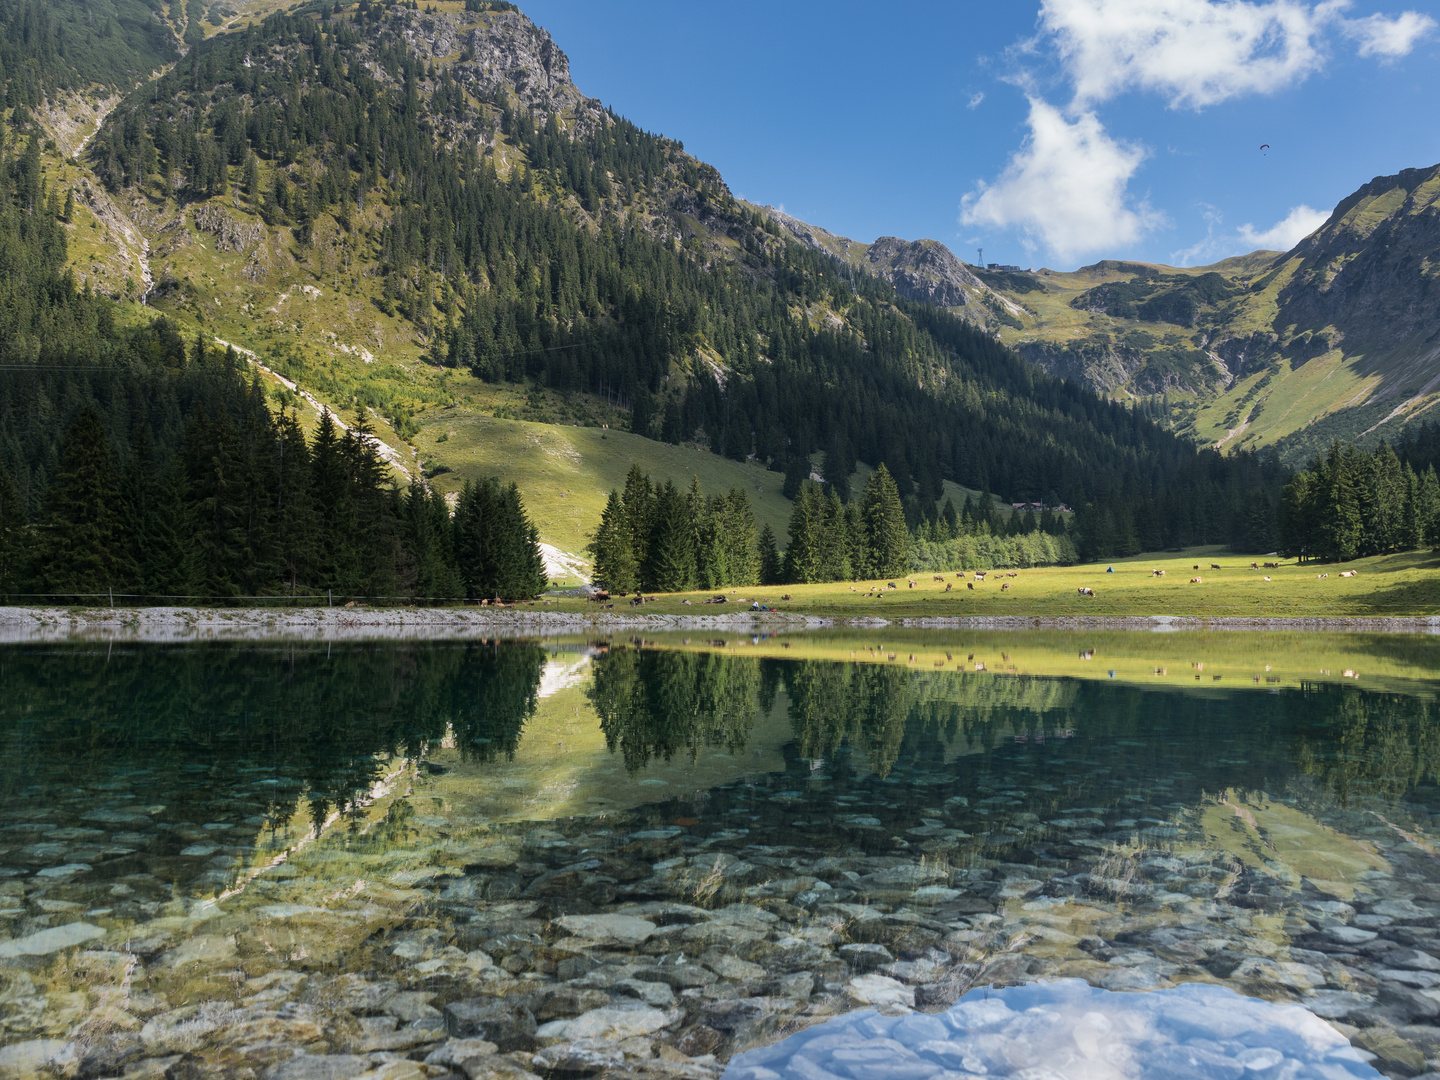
(1272, 566)
(949, 585)
(1266, 578)
(910, 583)
(1254, 566)
(1195, 567)
(1214, 566)
(938, 577)
(1157, 573)
(1347, 573)
(892, 585)
(970, 585)
(1005, 587)
(599, 596)
(1197, 581)
(1085, 590)
(1321, 577)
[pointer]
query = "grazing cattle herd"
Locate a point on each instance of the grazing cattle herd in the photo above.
(974, 580)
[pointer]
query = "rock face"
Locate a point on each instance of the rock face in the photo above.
(500, 50)
(924, 270)
(1370, 271)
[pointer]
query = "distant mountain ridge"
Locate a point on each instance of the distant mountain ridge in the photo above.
(1337, 338)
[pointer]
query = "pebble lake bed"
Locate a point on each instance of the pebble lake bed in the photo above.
(601, 856)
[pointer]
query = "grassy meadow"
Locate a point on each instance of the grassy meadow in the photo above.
(1391, 585)
(566, 473)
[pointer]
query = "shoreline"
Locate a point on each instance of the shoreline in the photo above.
(39, 625)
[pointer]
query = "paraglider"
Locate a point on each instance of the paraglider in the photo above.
(1265, 147)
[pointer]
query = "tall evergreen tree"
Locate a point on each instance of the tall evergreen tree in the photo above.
(612, 549)
(1342, 526)
(83, 524)
(804, 555)
(767, 556)
(671, 565)
(887, 538)
(639, 504)
(13, 530)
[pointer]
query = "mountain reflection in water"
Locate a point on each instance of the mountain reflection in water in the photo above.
(147, 752)
(888, 830)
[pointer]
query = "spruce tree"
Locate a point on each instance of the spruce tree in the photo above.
(767, 557)
(672, 543)
(336, 556)
(13, 530)
(1341, 524)
(803, 557)
(611, 549)
(83, 541)
(1429, 507)
(737, 535)
(639, 505)
(888, 539)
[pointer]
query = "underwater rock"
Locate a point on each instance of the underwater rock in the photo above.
(44, 942)
(624, 930)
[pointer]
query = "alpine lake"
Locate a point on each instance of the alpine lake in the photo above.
(620, 857)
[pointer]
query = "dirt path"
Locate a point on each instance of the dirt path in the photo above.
(386, 451)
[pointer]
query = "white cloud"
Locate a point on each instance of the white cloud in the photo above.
(1065, 188)
(1282, 236)
(975, 100)
(1202, 52)
(1379, 36)
(1285, 233)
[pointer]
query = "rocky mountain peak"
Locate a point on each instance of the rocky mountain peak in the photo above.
(500, 50)
(924, 270)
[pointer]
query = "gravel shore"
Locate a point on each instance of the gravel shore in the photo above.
(20, 625)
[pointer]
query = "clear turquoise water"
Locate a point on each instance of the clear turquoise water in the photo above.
(1023, 826)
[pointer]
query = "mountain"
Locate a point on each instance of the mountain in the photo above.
(416, 214)
(1338, 338)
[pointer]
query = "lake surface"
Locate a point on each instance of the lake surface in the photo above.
(685, 848)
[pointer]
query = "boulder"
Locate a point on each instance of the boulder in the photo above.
(508, 1025)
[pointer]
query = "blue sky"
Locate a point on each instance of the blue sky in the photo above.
(1052, 132)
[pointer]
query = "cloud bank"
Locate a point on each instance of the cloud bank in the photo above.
(1282, 236)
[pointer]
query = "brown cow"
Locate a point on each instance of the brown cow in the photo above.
(970, 585)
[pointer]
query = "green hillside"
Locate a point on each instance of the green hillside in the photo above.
(393, 221)
(567, 472)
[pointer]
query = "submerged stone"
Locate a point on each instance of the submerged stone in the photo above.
(45, 942)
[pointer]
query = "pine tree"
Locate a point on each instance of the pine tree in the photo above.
(639, 505)
(1341, 524)
(888, 539)
(671, 564)
(767, 557)
(296, 522)
(737, 534)
(803, 557)
(834, 541)
(337, 559)
(611, 549)
(13, 535)
(1429, 507)
(1383, 510)
(83, 524)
